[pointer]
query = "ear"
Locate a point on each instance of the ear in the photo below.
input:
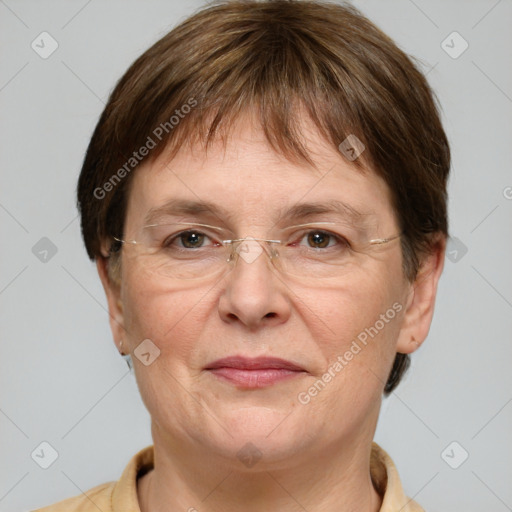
(421, 299)
(115, 308)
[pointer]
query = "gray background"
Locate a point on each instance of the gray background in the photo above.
(61, 379)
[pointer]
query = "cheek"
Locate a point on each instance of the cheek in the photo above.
(355, 328)
(359, 327)
(172, 319)
(339, 314)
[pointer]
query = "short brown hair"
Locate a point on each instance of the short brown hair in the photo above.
(277, 56)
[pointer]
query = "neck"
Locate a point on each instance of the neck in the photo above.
(337, 480)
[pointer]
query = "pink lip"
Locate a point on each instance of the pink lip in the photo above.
(254, 372)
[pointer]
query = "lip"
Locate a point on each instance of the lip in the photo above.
(254, 372)
(254, 363)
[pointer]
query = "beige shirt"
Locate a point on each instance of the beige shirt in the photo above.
(121, 496)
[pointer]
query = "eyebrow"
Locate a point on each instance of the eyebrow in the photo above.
(300, 212)
(349, 214)
(184, 207)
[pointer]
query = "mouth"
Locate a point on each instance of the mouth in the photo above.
(254, 373)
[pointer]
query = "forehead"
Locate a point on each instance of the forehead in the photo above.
(244, 179)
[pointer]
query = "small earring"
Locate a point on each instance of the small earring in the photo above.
(129, 362)
(126, 357)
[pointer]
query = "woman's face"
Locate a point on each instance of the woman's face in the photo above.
(347, 326)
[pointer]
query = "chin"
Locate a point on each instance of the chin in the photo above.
(259, 433)
(259, 453)
(256, 420)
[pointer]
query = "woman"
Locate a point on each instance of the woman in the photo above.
(265, 198)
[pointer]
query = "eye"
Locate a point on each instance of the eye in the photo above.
(319, 239)
(190, 239)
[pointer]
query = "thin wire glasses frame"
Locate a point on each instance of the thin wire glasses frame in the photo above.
(287, 255)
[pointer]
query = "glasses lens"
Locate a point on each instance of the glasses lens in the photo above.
(197, 251)
(181, 251)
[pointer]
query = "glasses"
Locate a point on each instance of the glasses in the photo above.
(197, 251)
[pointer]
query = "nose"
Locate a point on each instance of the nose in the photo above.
(254, 294)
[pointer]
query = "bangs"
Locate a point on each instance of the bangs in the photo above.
(279, 75)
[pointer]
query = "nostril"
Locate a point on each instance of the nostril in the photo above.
(270, 315)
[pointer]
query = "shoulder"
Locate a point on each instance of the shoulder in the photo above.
(99, 497)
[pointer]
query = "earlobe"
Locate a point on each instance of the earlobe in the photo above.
(115, 306)
(412, 346)
(421, 300)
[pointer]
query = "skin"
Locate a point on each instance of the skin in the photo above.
(314, 456)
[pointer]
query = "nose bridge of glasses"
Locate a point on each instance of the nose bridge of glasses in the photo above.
(249, 248)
